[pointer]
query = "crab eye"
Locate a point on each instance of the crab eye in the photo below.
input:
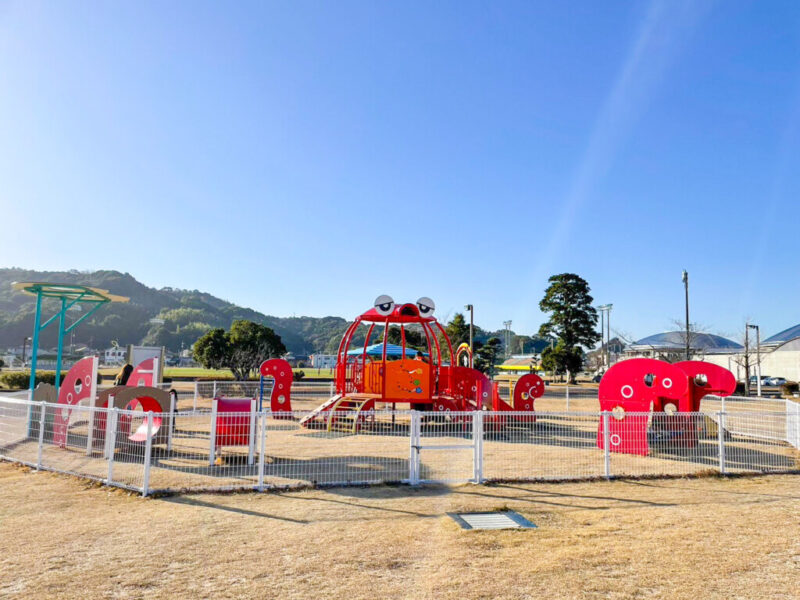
(426, 306)
(384, 305)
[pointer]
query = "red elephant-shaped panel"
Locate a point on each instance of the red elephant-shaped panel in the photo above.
(637, 385)
(705, 378)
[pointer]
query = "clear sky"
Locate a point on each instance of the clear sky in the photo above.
(303, 158)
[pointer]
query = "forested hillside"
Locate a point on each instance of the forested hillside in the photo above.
(166, 317)
(186, 315)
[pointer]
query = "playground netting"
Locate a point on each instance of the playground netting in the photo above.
(163, 453)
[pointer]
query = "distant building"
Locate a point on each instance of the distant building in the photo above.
(114, 355)
(596, 359)
(779, 353)
(322, 361)
(520, 363)
(671, 346)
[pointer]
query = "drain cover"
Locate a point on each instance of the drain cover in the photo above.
(506, 519)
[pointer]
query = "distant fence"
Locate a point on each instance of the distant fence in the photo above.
(301, 390)
(152, 452)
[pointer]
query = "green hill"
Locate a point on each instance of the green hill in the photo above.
(187, 314)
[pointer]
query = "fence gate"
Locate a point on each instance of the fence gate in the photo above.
(446, 449)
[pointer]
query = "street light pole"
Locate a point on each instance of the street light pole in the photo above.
(507, 325)
(606, 309)
(758, 357)
(608, 334)
(602, 336)
(685, 279)
(471, 310)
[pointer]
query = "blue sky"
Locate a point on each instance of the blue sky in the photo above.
(303, 158)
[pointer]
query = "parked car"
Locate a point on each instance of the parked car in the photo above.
(776, 381)
(764, 380)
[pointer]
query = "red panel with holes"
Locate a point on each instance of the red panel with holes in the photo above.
(281, 371)
(76, 387)
(638, 385)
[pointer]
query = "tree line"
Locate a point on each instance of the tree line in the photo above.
(571, 328)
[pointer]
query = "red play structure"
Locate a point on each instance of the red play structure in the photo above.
(400, 374)
(80, 387)
(655, 391)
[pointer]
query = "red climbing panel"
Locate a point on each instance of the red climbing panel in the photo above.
(78, 384)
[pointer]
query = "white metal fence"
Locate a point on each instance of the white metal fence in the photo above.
(205, 391)
(196, 450)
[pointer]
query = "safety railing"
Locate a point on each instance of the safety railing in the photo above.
(251, 449)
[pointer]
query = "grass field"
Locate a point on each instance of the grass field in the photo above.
(686, 538)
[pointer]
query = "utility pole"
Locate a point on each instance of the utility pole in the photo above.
(685, 279)
(747, 359)
(471, 310)
(758, 358)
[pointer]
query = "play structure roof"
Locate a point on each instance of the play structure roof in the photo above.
(391, 350)
(707, 342)
(68, 291)
(783, 336)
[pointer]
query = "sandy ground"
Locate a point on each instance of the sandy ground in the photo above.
(687, 538)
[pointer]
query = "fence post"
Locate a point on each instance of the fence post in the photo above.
(261, 450)
(413, 460)
(213, 442)
(90, 427)
(148, 451)
(214, 394)
(41, 435)
(721, 438)
(112, 418)
(477, 445)
(567, 397)
(171, 427)
(194, 401)
(606, 444)
(251, 437)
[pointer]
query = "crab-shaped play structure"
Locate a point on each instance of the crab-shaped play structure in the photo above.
(422, 378)
(652, 400)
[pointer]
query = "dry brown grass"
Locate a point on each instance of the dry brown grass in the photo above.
(686, 538)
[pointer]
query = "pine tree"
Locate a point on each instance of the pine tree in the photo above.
(573, 321)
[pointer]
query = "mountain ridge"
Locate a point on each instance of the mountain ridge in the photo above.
(186, 315)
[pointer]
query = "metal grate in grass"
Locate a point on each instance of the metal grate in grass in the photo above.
(507, 519)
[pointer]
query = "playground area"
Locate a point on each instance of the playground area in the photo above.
(676, 538)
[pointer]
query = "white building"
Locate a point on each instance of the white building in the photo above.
(114, 355)
(323, 361)
(780, 353)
